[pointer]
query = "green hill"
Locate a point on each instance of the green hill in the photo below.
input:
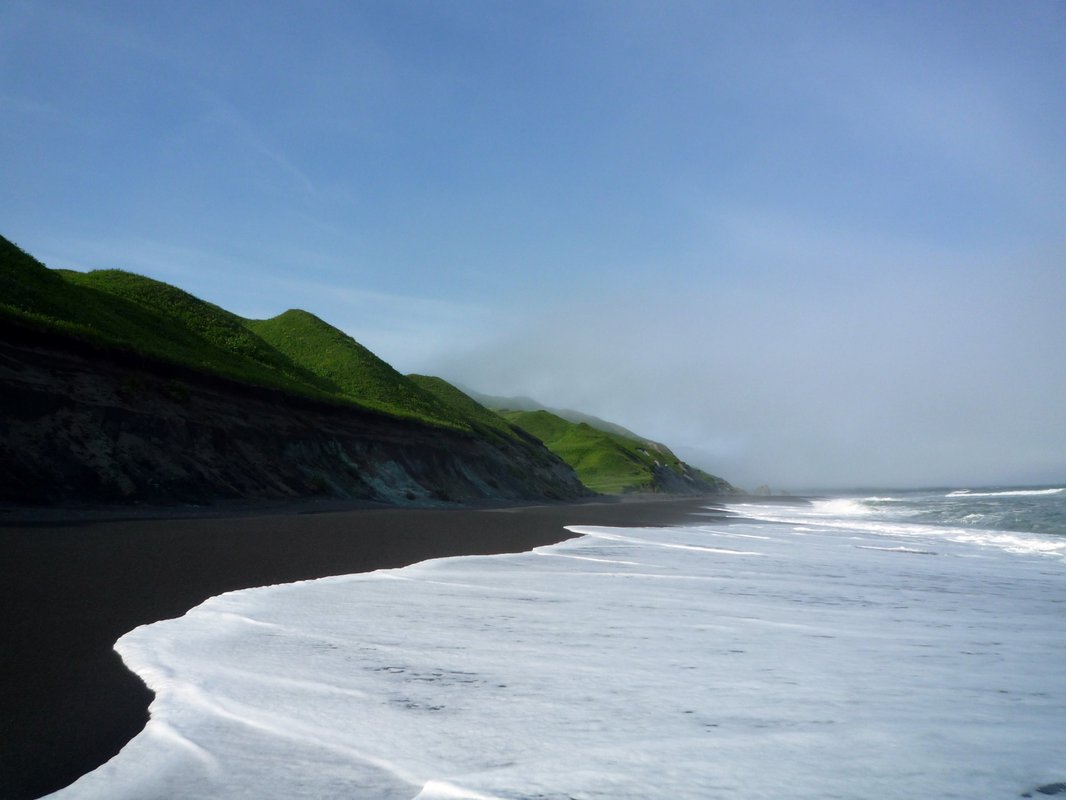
(358, 374)
(487, 423)
(299, 353)
(529, 404)
(295, 351)
(196, 332)
(127, 311)
(608, 462)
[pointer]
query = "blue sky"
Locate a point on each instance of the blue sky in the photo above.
(807, 243)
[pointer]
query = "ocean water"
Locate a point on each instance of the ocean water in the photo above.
(890, 645)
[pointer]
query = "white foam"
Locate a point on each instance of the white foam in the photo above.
(898, 528)
(627, 664)
(1007, 493)
(442, 790)
(841, 507)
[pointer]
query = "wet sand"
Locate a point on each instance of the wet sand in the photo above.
(71, 583)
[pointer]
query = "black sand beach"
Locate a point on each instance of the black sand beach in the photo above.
(69, 588)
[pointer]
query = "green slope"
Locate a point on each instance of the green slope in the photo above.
(295, 351)
(119, 309)
(298, 352)
(357, 373)
(485, 422)
(604, 461)
(462, 403)
(611, 459)
(529, 404)
(209, 337)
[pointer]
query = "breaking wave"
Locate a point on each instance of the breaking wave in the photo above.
(1006, 493)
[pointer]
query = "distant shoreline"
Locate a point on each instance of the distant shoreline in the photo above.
(74, 580)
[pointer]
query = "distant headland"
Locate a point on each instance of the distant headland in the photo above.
(120, 389)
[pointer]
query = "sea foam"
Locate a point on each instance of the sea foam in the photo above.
(1007, 493)
(754, 659)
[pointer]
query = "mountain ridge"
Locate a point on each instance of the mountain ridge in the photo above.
(143, 385)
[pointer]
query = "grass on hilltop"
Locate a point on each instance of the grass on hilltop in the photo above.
(113, 308)
(294, 352)
(195, 332)
(356, 372)
(299, 353)
(604, 461)
(487, 423)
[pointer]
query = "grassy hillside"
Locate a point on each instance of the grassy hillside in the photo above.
(529, 404)
(123, 310)
(196, 332)
(487, 423)
(357, 373)
(298, 352)
(604, 461)
(295, 351)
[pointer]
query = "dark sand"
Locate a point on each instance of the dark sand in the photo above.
(69, 589)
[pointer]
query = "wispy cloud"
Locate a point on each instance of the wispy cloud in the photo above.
(226, 120)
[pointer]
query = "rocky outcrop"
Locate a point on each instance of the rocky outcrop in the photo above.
(81, 424)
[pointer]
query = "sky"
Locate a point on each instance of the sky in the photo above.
(806, 244)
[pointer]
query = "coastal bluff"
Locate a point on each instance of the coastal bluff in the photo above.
(119, 389)
(85, 424)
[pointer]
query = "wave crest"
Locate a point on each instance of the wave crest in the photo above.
(1006, 493)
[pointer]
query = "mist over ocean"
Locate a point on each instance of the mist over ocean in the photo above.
(887, 645)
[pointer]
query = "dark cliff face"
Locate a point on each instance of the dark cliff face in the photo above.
(689, 481)
(84, 425)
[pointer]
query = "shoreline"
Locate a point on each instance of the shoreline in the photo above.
(14, 515)
(73, 581)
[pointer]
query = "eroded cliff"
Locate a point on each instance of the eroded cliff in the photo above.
(86, 424)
